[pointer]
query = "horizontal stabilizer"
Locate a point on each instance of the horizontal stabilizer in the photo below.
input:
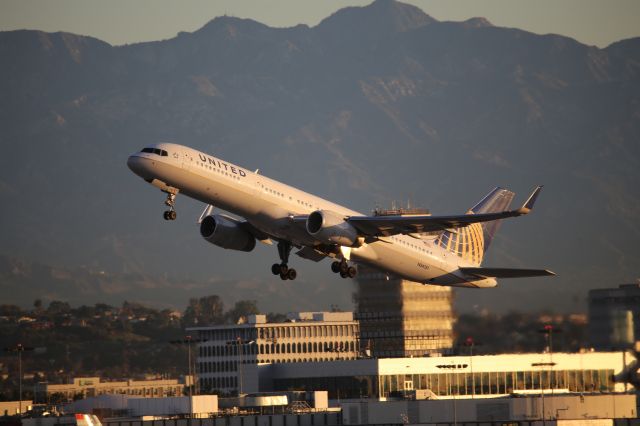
(506, 272)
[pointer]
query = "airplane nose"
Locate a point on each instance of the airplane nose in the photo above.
(134, 163)
(131, 163)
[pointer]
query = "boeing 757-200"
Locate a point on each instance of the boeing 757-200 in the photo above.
(441, 250)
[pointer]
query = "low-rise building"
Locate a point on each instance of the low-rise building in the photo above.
(486, 376)
(570, 410)
(83, 387)
(10, 408)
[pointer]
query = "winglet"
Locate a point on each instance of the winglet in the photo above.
(528, 205)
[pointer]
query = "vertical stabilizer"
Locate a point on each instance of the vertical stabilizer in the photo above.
(472, 242)
(497, 200)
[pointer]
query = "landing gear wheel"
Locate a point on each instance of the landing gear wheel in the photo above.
(165, 215)
(335, 267)
(275, 269)
(351, 272)
(343, 274)
(344, 268)
(282, 269)
(170, 215)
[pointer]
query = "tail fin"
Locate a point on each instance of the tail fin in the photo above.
(498, 200)
(472, 242)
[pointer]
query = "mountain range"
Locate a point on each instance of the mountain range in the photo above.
(374, 105)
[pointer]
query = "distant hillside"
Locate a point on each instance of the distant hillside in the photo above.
(374, 104)
(23, 282)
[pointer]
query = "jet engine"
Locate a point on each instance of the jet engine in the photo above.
(330, 227)
(226, 233)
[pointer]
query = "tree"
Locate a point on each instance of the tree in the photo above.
(204, 311)
(10, 311)
(242, 308)
(276, 317)
(57, 307)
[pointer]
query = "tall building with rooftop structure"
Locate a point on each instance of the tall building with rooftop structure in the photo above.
(400, 318)
(614, 317)
(227, 355)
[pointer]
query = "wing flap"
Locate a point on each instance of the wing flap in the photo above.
(505, 272)
(310, 253)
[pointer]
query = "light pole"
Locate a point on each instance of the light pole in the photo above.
(542, 365)
(188, 340)
(18, 349)
(548, 331)
(240, 344)
(470, 343)
(454, 366)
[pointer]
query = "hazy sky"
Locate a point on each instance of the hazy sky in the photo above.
(596, 22)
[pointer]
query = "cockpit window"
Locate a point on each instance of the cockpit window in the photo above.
(156, 151)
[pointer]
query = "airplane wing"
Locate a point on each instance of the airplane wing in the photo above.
(376, 226)
(506, 272)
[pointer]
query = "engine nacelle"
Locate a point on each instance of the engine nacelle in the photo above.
(330, 227)
(226, 233)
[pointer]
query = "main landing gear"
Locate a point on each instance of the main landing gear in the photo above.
(343, 268)
(170, 202)
(282, 269)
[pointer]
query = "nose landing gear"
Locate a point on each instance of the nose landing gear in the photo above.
(170, 202)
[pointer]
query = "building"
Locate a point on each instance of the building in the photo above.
(400, 318)
(227, 355)
(83, 387)
(10, 408)
(570, 410)
(486, 376)
(614, 317)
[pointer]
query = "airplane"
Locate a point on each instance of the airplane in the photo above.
(439, 250)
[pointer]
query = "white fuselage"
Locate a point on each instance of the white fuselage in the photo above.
(270, 205)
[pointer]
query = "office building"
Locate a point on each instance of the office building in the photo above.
(614, 317)
(228, 354)
(400, 318)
